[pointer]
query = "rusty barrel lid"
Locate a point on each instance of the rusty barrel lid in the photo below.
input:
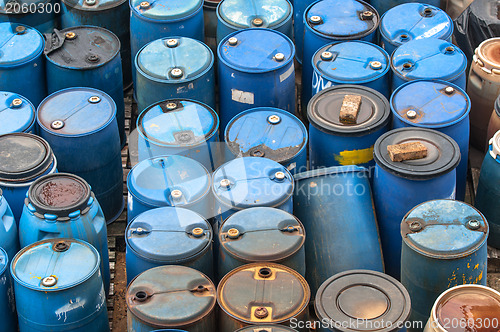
(487, 55)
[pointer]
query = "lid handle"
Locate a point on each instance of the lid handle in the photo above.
(53, 41)
(350, 109)
(407, 151)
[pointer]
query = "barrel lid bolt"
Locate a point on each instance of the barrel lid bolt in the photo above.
(279, 57)
(93, 58)
(17, 102)
(225, 183)
(57, 124)
(176, 73)
(20, 29)
(141, 296)
(415, 226)
(233, 233)
(144, 5)
(290, 228)
(473, 224)
(449, 49)
(171, 106)
(176, 194)
(404, 37)
(197, 232)
(315, 19)
(326, 56)
(265, 272)
(90, 2)
(411, 114)
(49, 281)
(449, 90)
(140, 230)
(376, 65)
(407, 66)
(233, 41)
(60, 246)
(261, 313)
(94, 99)
(367, 15)
(279, 175)
(257, 153)
(257, 22)
(273, 119)
(70, 35)
(172, 42)
(427, 12)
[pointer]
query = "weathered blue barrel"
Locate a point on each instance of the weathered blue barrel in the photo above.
(22, 66)
(444, 245)
(7, 305)
(428, 58)
(80, 126)
(299, 6)
(282, 297)
(39, 14)
(168, 236)
(336, 207)
(421, 104)
(234, 15)
(488, 191)
(9, 239)
(362, 300)
(58, 287)
(271, 133)
(151, 20)
(335, 141)
(17, 115)
(179, 127)
(399, 186)
(383, 6)
(351, 62)
(171, 296)
(266, 328)
(169, 181)
(28, 158)
(255, 70)
(174, 67)
(63, 206)
(411, 21)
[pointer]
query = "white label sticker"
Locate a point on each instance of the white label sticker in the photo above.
(287, 74)
(242, 96)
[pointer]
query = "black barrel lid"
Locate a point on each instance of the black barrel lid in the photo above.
(443, 153)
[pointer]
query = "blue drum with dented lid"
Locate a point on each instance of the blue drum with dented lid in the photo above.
(39, 14)
(7, 305)
(383, 6)
(17, 115)
(9, 239)
(80, 126)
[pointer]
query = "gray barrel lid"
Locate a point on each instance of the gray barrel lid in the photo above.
(444, 229)
(170, 296)
(324, 109)
(93, 5)
(23, 157)
(19, 44)
(365, 299)
(55, 264)
(168, 235)
(17, 113)
(254, 13)
(76, 111)
(166, 10)
(82, 47)
(283, 293)
(262, 234)
(443, 153)
(266, 328)
(4, 261)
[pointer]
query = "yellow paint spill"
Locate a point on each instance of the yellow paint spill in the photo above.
(354, 157)
(476, 267)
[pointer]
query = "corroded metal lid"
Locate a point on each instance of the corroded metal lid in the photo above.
(18, 44)
(495, 145)
(92, 5)
(266, 328)
(283, 293)
(487, 55)
(17, 113)
(167, 10)
(244, 14)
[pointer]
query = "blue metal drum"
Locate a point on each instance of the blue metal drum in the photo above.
(336, 207)
(174, 67)
(255, 70)
(179, 127)
(168, 236)
(299, 6)
(7, 305)
(39, 14)
(234, 15)
(58, 287)
(28, 158)
(17, 115)
(171, 296)
(428, 58)
(169, 181)
(267, 328)
(22, 67)
(9, 239)
(80, 126)
(421, 104)
(383, 6)
(62, 206)
(351, 62)
(271, 133)
(87, 56)
(399, 186)
(444, 245)
(411, 21)
(336, 142)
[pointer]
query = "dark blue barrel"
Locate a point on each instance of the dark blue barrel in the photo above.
(336, 207)
(171, 296)
(428, 58)
(174, 67)
(58, 287)
(7, 305)
(29, 158)
(266, 328)
(299, 6)
(383, 6)
(255, 69)
(234, 15)
(421, 104)
(351, 62)
(411, 21)
(210, 20)
(488, 190)
(80, 126)
(399, 186)
(62, 206)
(334, 141)
(87, 56)
(9, 239)
(39, 14)
(444, 245)
(22, 67)
(271, 133)
(17, 115)
(362, 300)
(169, 181)
(179, 127)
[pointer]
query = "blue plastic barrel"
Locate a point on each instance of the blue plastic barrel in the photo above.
(17, 115)
(172, 296)
(428, 58)
(383, 6)
(9, 239)
(63, 206)
(22, 66)
(29, 158)
(268, 132)
(39, 14)
(58, 286)
(7, 305)
(399, 186)
(267, 328)
(80, 126)
(299, 6)
(255, 70)
(444, 245)
(421, 104)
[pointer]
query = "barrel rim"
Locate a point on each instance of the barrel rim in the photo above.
(480, 55)
(9, 94)
(79, 7)
(34, 56)
(4, 254)
(329, 171)
(135, 12)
